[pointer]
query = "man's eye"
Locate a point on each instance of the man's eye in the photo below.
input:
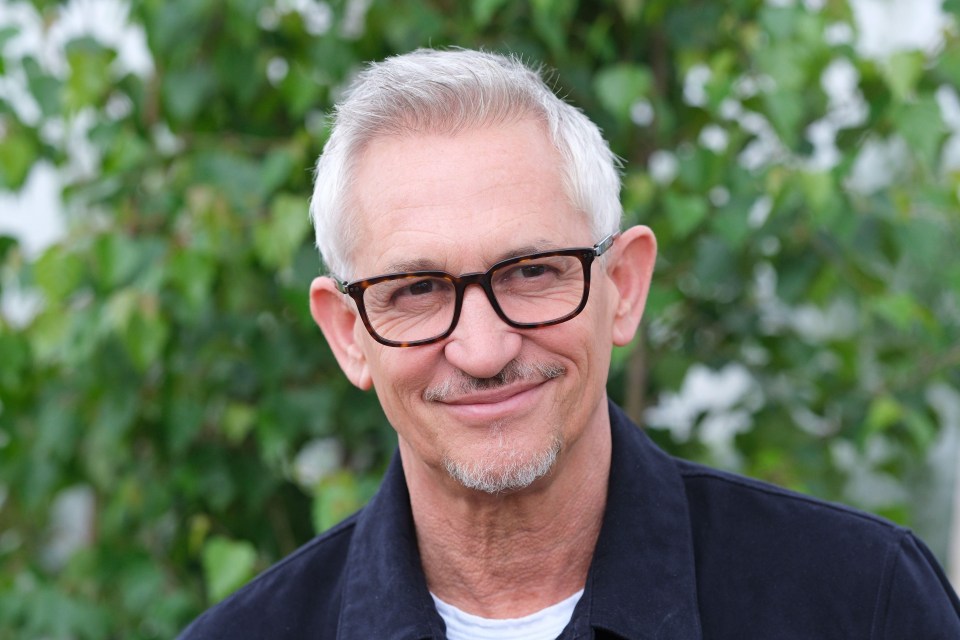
(420, 288)
(532, 270)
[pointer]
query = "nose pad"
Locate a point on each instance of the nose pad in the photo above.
(482, 344)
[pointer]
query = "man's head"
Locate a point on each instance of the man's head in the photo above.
(446, 92)
(445, 198)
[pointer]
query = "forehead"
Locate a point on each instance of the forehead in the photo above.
(461, 201)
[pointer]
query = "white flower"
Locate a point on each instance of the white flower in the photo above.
(316, 460)
(887, 27)
(663, 167)
(719, 196)
(837, 34)
(641, 113)
(277, 69)
(760, 211)
(714, 138)
(878, 165)
(695, 85)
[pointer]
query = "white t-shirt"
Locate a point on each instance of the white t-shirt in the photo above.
(545, 624)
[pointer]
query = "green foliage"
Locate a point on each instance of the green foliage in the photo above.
(227, 565)
(173, 373)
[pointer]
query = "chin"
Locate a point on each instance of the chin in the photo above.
(504, 469)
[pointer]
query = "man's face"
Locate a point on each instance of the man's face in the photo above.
(489, 401)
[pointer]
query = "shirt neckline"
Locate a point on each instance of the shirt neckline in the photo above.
(545, 623)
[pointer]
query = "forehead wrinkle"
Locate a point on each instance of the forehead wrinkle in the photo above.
(398, 196)
(399, 202)
(538, 245)
(413, 264)
(430, 264)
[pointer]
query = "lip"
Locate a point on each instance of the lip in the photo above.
(494, 404)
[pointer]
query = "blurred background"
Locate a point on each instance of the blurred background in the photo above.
(172, 422)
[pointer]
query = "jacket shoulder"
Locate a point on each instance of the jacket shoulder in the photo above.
(740, 492)
(300, 592)
(824, 569)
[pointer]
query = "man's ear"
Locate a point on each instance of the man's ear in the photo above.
(337, 318)
(630, 268)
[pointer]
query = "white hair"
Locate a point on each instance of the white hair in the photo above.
(446, 92)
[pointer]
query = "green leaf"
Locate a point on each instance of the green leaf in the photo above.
(116, 260)
(191, 273)
(47, 335)
(185, 90)
(46, 89)
(921, 429)
(146, 335)
(118, 310)
(104, 447)
(921, 125)
(902, 71)
(236, 175)
(620, 86)
(897, 308)
(783, 62)
(276, 170)
(551, 20)
(715, 269)
(227, 566)
(276, 241)
(884, 412)
(90, 75)
(15, 356)
(631, 10)
(238, 419)
(184, 415)
(58, 272)
(18, 152)
(484, 10)
(786, 111)
(337, 497)
(7, 33)
(301, 89)
(684, 213)
(8, 245)
(949, 63)
(56, 431)
(779, 22)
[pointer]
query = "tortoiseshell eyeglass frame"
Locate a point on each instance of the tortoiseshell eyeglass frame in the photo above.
(586, 255)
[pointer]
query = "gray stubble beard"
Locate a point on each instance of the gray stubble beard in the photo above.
(493, 474)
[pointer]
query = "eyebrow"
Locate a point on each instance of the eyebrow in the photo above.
(427, 264)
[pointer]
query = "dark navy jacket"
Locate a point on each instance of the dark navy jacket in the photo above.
(684, 552)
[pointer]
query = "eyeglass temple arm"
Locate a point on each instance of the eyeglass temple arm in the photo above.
(601, 247)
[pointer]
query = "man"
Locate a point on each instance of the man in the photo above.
(470, 223)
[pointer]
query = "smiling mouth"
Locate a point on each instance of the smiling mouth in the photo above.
(514, 379)
(493, 396)
(490, 407)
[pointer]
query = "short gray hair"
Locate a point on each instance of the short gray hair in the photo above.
(446, 92)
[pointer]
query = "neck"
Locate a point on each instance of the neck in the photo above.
(509, 555)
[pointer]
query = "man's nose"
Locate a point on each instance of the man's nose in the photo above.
(482, 344)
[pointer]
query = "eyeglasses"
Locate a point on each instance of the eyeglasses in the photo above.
(420, 307)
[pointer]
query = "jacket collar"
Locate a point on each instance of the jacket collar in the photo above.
(385, 592)
(641, 583)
